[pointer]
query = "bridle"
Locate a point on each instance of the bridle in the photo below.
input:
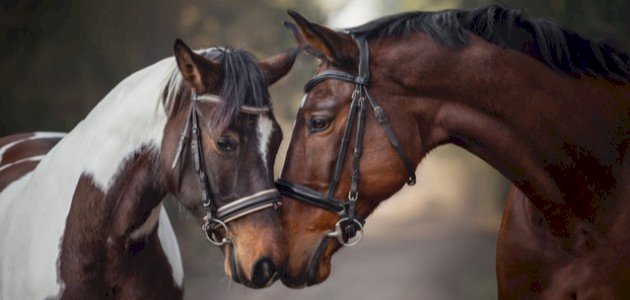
(218, 217)
(351, 224)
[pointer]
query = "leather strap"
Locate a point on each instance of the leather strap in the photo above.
(244, 206)
(362, 81)
(382, 119)
(364, 62)
(311, 196)
(358, 150)
(191, 133)
(328, 74)
(341, 155)
(200, 167)
(346, 210)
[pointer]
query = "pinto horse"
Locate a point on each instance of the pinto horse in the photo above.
(81, 214)
(545, 106)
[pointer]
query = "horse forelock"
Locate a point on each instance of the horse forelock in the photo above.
(243, 83)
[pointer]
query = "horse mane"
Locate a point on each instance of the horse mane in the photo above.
(559, 48)
(243, 83)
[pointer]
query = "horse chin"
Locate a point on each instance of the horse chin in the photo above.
(318, 269)
(235, 272)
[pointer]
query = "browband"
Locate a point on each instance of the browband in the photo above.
(328, 74)
(247, 109)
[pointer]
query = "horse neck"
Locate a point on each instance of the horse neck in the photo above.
(109, 168)
(130, 116)
(554, 136)
(106, 229)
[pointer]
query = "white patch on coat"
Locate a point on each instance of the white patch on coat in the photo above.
(148, 225)
(265, 129)
(47, 135)
(33, 209)
(168, 241)
(130, 116)
(11, 274)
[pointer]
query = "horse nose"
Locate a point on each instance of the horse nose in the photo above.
(264, 273)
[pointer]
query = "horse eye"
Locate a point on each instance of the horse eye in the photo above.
(226, 145)
(318, 124)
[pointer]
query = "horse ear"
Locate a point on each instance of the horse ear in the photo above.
(321, 41)
(277, 66)
(196, 70)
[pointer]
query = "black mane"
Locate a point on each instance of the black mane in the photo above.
(559, 48)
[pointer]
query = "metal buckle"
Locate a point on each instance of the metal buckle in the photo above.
(208, 232)
(353, 195)
(354, 93)
(338, 233)
(361, 79)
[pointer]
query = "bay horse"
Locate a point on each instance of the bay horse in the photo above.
(547, 107)
(81, 215)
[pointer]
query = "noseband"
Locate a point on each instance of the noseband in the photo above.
(219, 216)
(349, 223)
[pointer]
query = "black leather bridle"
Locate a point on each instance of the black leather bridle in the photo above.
(352, 225)
(219, 216)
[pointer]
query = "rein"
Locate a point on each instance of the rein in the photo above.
(349, 223)
(219, 216)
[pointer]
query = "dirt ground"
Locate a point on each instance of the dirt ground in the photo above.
(454, 265)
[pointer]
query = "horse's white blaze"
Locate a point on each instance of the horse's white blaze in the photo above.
(37, 135)
(34, 158)
(33, 210)
(265, 129)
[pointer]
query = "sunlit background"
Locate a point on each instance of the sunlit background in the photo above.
(433, 241)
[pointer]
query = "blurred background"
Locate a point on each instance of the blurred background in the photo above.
(433, 241)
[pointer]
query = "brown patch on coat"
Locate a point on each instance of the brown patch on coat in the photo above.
(19, 151)
(28, 148)
(15, 172)
(14, 138)
(98, 259)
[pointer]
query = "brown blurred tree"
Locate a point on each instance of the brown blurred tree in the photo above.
(59, 58)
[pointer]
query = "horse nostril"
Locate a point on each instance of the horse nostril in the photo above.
(264, 272)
